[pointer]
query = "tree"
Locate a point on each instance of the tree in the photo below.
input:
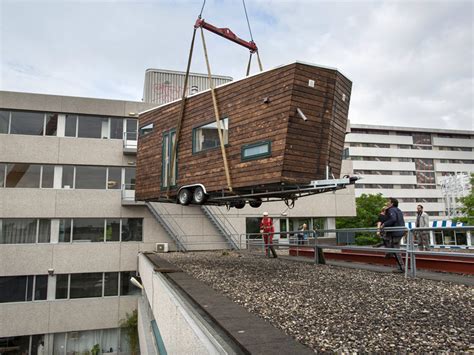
(368, 208)
(468, 206)
(130, 328)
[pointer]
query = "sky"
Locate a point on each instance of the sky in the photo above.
(411, 62)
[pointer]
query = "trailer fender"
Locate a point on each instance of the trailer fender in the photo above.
(192, 187)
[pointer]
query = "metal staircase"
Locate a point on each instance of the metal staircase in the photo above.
(172, 231)
(223, 225)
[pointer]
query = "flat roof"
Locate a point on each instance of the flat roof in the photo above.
(411, 129)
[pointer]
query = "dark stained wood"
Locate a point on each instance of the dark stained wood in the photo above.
(300, 149)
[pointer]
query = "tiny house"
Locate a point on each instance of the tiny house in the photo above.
(282, 129)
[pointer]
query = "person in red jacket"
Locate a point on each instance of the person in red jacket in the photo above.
(267, 230)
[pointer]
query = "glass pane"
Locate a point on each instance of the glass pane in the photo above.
(207, 137)
(126, 286)
(257, 150)
(41, 287)
(132, 229)
(59, 345)
(44, 232)
(132, 128)
(65, 230)
(165, 160)
(30, 123)
(29, 287)
(110, 339)
(2, 175)
(47, 181)
(130, 178)
(18, 230)
(68, 177)
(92, 127)
(71, 121)
(19, 345)
(111, 284)
(37, 344)
(61, 288)
(12, 288)
(81, 343)
(146, 129)
(113, 230)
(88, 230)
(51, 124)
(90, 177)
(23, 175)
(116, 128)
(115, 178)
(86, 285)
(4, 118)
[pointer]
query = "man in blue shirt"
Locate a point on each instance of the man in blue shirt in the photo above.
(394, 219)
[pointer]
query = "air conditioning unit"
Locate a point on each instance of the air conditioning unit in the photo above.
(161, 247)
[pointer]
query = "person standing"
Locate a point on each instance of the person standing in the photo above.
(394, 219)
(303, 234)
(267, 230)
(422, 221)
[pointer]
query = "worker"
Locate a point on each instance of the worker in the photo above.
(267, 230)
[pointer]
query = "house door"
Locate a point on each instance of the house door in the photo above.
(169, 139)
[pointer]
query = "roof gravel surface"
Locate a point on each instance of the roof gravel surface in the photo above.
(332, 309)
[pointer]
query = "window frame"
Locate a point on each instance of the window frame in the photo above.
(142, 133)
(168, 135)
(256, 156)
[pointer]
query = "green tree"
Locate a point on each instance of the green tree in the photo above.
(468, 206)
(130, 327)
(368, 207)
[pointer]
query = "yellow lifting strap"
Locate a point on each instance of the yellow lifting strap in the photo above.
(216, 113)
(180, 118)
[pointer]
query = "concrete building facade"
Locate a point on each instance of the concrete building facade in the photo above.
(71, 231)
(409, 163)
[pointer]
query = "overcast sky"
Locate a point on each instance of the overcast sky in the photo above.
(411, 62)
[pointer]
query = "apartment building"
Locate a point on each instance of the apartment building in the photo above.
(71, 230)
(409, 164)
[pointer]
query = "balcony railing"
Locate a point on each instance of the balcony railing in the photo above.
(128, 195)
(130, 140)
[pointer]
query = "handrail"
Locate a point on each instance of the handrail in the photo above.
(227, 227)
(168, 228)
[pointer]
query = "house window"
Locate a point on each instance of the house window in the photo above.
(146, 129)
(169, 139)
(207, 136)
(256, 150)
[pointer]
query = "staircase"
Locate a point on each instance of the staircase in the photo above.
(174, 231)
(222, 224)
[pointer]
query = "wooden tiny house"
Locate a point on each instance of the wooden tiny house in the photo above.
(281, 127)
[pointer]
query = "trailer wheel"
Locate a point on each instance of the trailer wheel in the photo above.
(239, 204)
(184, 197)
(255, 203)
(199, 196)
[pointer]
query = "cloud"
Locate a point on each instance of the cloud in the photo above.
(411, 63)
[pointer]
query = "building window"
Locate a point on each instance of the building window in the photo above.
(29, 123)
(4, 121)
(86, 285)
(3, 169)
(132, 229)
(112, 341)
(424, 164)
(112, 232)
(425, 177)
(23, 175)
(51, 125)
(90, 177)
(169, 139)
(256, 151)
(23, 288)
(130, 178)
(47, 176)
(24, 230)
(116, 128)
(62, 286)
(146, 129)
(421, 138)
(88, 229)
(71, 126)
(111, 283)
(114, 178)
(207, 136)
(92, 127)
(126, 286)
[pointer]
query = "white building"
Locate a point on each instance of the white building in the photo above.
(409, 163)
(70, 230)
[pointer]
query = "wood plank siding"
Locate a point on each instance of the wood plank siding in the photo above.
(300, 150)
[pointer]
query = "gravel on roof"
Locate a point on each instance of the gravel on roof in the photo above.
(331, 309)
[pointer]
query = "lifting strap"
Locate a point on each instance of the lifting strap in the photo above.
(216, 113)
(180, 118)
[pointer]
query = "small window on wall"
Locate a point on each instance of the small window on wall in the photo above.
(256, 150)
(207, 136)
(146, 129)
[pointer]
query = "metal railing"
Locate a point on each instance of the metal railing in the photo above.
(130, 140)
(223, 225)
(169, 224)
(128, 192)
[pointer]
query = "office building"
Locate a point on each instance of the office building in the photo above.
(409, 164)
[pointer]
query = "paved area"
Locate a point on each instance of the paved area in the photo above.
(335, 309)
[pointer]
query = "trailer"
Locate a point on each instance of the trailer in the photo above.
(279, 136)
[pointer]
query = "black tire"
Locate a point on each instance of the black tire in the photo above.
(255, 203)
(239, 204)
(184, 197)
(199, 196)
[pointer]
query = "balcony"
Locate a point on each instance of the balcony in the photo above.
(128, 196)
(130, 140)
